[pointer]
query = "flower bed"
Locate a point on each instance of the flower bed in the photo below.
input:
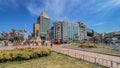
(23, 54)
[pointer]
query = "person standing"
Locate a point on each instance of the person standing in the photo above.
(6, 42)
(106, 42)
(46, 43)
(51, 43)
(42, 42)
(3, 43)
(36, 43)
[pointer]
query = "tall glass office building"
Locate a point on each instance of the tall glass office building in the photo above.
(44, 22)
(73, 30)
(69, 31)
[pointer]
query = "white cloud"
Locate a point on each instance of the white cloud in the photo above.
(55, 8)
(98, 24)
(34, 10)
(59, 9)
(97, 6)
(108, 5)
(9, 3)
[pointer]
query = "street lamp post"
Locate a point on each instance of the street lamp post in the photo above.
(94, 39)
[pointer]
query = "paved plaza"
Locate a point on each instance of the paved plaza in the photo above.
(106, 60)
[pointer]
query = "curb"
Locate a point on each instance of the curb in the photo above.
(105, 53)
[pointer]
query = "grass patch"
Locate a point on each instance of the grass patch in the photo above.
(107, 49)
(97, 48)
(55, 60)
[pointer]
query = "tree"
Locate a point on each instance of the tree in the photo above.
(32, 34)
(13, 33)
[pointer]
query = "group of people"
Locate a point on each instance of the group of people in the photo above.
(45, 42)
(5, 43)
(15, 43)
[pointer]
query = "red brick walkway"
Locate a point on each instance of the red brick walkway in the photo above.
(102, 59)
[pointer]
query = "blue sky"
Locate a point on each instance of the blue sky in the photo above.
(100, 15)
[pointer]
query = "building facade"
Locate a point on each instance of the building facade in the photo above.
(90, 34)
(44, 22)
(98, 37)
(82, 31)
(93, 37)
(52, 33)
(112, 37)
(66, 31)
(73, 31)
(57, 30)
(48, 34)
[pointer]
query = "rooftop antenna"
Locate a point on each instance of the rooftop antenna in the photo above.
(43, 11)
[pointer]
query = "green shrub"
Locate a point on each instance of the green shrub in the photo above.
(86, 45)
(34, 54)
(23, 54)
(14, 55)
(7, 56)
(1, 57)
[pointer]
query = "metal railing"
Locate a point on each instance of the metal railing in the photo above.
(99, 61)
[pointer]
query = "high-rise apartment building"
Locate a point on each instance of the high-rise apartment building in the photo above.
(82, 31)
(58, 30)
(44, 22)
(73, 31)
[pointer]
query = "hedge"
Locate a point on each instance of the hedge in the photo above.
(86, 45)
(19, 54)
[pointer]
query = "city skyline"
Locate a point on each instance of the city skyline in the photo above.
(101, 16)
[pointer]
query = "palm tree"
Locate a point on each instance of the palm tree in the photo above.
(21, 31)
